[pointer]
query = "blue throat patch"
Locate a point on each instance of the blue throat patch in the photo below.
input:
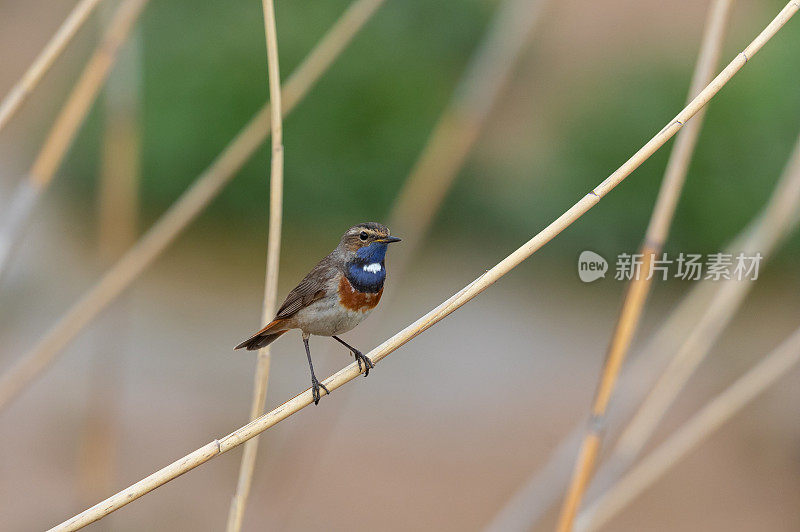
(374, 253)
(370, 279)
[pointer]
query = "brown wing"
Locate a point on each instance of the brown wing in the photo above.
(308, 291)
(314, 286)
(311, 288)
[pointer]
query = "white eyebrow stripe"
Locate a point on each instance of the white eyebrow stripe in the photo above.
(372, 268)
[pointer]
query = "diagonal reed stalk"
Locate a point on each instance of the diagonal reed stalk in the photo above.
(536, 496)
(16, 96)
(460, 125)
(778, 219)
(534, 499)
(236, 511)
(66, 126)
(456, 301)
(692, 433)
(652, 245)
(191, 203)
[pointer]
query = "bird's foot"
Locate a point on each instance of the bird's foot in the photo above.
(315, 386)
(362, 358)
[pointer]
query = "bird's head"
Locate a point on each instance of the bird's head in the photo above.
(367, 242)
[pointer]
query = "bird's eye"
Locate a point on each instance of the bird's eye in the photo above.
(363, 236)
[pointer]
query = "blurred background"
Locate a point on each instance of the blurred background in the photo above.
(445, 430)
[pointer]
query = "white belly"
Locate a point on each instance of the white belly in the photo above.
(327, 317)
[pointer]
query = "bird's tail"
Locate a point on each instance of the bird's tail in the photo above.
(262, 338)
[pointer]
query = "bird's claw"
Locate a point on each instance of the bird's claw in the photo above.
(361, 357)
(315, 386)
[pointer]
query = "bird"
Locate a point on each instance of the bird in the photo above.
(335, 296)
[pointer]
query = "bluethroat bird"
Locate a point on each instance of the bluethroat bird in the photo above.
(335, 296)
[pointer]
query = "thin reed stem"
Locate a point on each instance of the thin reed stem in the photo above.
(67, 124)
(778, 219)
(84, 93)
(692, 433)
(16, 96)
(191, 203)
(121, 165)
(457, 130)
(446, 308)
(538, 494)
(245, 480)
(655, 236)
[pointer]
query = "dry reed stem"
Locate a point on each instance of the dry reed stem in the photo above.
(537, 495)
(777, 220)
(67, 124)
(245, 480)
(446, 308)
(185, 209)
(699, 427)
(461, 123)
(84, 93)
(120, 171)
(657, 231)
(16, 96)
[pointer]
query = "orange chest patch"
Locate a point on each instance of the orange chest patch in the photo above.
(354, 300)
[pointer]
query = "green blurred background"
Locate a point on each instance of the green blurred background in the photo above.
(351, 143)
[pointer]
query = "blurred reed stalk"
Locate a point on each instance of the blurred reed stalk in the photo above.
(778, 219)
(16, 96)
(66, 126)
(456, 301)
(118, 206)
(459, 126)
(639, 287)
(692, 433)
(245, 480)
(185, 209)
(534, 499)
(537, 495)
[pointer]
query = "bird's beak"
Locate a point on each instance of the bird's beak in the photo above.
(388, 240)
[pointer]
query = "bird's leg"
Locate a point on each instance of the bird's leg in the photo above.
(315, 384)
(360, 357)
